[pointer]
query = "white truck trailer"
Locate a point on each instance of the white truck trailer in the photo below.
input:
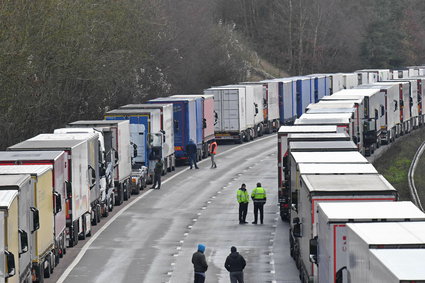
(315, 189)
(329, 249)
(118, 153)
(282, 161)
(42, 240)
(10, 238)
(19, 187)
(362, 238)
(78, 209)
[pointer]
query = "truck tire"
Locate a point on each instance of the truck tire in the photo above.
(82, 236)
(46, 270)
(40, 274)
(94, 220)
(125, 191)
(247, 137)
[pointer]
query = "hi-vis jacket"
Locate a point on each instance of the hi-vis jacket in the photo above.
(242, 196)
(259, 194)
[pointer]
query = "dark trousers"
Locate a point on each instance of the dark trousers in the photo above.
(243, 210)
(258, 206)
(157, 180)
(199, 278)
(236, 277)
(192, 160)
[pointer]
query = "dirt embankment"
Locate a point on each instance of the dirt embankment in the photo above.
(395, 161)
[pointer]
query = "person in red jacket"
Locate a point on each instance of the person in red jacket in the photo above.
(213, 152)
(235, 264)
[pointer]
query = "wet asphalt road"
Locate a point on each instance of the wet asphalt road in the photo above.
(152, 237)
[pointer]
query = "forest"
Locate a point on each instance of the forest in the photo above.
(62, 61)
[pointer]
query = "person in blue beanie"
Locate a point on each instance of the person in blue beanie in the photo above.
(199, 264)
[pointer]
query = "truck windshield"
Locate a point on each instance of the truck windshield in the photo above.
(155, 140)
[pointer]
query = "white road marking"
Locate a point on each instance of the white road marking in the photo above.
(130, 204)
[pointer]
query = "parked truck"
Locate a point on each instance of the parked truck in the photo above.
(185, 124)
(145, 136)
(80, 179)
(205, 104)
(287, 91)
(329, 250)
(11, 241)
(363, 238)
(58, 161)
(42, 240)
(315, 189)
(21, 187)
(118, 153)
(167, 128)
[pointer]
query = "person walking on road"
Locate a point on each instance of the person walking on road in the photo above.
(243, 199)
(258, 195)
(157, 173)
(191, 151)
(200, 264)
(235, 264)
(213, 151)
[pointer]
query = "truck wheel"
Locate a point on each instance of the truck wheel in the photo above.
(125, 192)
(106, 209)
(94, 220)
(46, 271)
(247, 137)
(52, 264)
(82, 236)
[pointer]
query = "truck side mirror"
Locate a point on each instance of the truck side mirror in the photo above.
(10, 260)
(23, 237)
(68, 188)
(176, 125)
(58, 202)
(93, 177)
(35, 219)
(116, 157)
(204, 123)
(340, 274)
(313, 250)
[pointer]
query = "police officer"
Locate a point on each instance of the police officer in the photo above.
(243, 199)
(258, 195)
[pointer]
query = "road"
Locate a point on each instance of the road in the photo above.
(152, 238)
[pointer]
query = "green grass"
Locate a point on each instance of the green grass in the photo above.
(395, 162)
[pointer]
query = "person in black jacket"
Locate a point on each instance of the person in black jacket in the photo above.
(235, 264)
(199, 264)
(191, 151)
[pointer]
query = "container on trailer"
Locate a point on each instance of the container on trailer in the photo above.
(364, 237)
(27, 217)
(167, 126)
(410, 107)
(58, 160)
(349, 80)
(344, 121)
(282, 160)
(287, 90)
(304, 88)
(231, 109)
(10, 245)
(421, 90)
(319, 89)
(77, 205)
(43, 239)
(118, 153)
(184, 123)
(208, 118)
(399, 74)
(315, 189)
(319, 137)
(330, 253)
(376, 75)
(334, 82)
(396, 266)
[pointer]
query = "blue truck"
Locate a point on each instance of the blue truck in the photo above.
(188, 124)
(320, 88)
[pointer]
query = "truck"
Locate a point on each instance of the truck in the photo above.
(304, 146)
(235, 112)
(287, 90)
(349, 80)
(117, 154)
(58, 161)
(93, 153)
(204, 105)
(363, 238)
(185, 125)
(42, 240)
(80, 179)
(11, 241)
(18, 189)
(335, 82)
(283, 169)
(270, 110)
(315, 189)
(320, 87)
(305, 88)
(105, 167)
(328, 250)
(420, 87)
(393, 266)
(167, 118)
(145, 137)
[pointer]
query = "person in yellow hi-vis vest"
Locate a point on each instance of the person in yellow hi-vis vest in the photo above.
(258, 195)
(243, 199)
